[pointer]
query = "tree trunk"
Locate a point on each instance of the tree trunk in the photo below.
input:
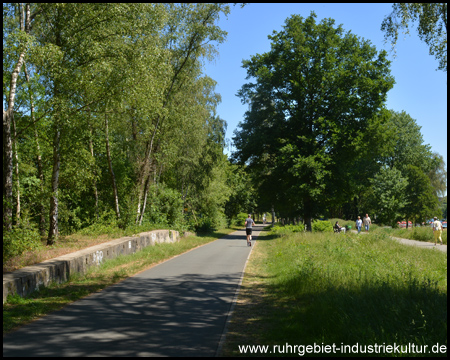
(7, 169)
(8, 117)
(53, 218)
(91, 148)
(38, 158)
(145, 170)
(147, 182)
(111, 171)
(16, 152)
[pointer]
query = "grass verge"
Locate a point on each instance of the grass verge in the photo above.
(424, 233)
(306, 289)
(18, 311)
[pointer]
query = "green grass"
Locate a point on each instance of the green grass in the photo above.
(342, 289)
(423, 233)
(18, 311)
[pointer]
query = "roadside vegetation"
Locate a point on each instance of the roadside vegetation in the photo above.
(325, 288)
(18, 311)
(423, 233)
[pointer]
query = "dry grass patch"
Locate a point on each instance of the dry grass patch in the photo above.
(65, 245)
(250, 308)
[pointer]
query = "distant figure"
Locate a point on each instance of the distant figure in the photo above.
(367, 222)
(264, 219)
(359, 224)
(337, 227)
(248, 228)
(437, 231)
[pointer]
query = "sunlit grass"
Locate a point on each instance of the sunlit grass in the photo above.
(423, 233)
(335, 288)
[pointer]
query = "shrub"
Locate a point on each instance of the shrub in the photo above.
(239, 220)
(321, 226)
(21, 238)
(205, 224)
(106, 224)
(287, 229)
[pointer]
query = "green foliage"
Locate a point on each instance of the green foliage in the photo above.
(422, 201)
(23, 237)
(105, 224)
(322, 226)
(419, 233)
(240, 218)
(314, 129)
(281, 230)
(389, 195)
(138, 69)
(320, 288)
(431, 19)
(243, 194)
(205, 224)
(408, 143)
(166, 206)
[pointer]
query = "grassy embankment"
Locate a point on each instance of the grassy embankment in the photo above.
(18, 311)
(325, 288)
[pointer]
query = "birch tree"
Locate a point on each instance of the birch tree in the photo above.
(19, 40)
(431, 21)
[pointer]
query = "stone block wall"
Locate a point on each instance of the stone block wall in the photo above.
(28, 279)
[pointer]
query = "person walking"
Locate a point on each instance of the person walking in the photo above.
(248, 229)
(367, 222)
(359, 224)
(437, 231)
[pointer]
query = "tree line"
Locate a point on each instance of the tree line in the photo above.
(109, 117)
(318, 139)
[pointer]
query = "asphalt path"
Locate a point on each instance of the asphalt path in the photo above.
(177, 308)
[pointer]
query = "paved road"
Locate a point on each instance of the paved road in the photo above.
(177, 308)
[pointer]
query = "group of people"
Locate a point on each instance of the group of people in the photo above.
(366, 221)
(359, 223)
(437, 227)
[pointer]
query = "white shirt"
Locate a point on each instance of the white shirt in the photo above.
(437, 225)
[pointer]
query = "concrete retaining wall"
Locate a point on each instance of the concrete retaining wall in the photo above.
(28, 279)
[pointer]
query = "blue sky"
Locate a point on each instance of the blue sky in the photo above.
(420, 90)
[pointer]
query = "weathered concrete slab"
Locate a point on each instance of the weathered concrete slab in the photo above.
(28, 279)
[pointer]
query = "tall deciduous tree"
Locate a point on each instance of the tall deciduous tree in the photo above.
(318, 91)
(389, 198)
(421, 200)
(409, 148)
(19, 41)
(138, 66)
(438, 174)
(188, 35)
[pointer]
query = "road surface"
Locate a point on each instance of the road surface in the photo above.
(177, 308)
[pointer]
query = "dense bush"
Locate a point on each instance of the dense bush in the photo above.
(322, 226)
(22, 237)
(106, 224)
(287, 229)
(239, 220)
